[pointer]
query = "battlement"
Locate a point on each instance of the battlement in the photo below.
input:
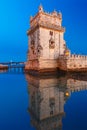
(74, 57)
(53, 19)
(78, 56)
(53, 14)
(73, 62)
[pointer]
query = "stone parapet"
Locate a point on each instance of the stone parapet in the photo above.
(51, 15)
(73, 63)
(78, 56)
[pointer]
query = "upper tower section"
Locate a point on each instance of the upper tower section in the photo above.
(40, 8)
(47, 20)
(46, 36)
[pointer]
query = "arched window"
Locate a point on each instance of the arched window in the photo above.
(51, 43)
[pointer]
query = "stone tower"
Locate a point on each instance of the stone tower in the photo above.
(45, 41)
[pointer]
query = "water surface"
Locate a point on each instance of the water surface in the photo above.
(42, 103)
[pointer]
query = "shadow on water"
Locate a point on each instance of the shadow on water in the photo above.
(48, 96)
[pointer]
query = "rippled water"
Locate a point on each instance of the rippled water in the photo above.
(43, 103)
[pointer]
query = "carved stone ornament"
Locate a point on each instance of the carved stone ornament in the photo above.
(51, 43)
(39, 49)
(32, 44)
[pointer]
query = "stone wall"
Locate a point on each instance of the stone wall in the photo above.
(33, 41)
(62, 63)
(59, 43)
(42, 65)
(32, 65)
(47, 49)
(73, 62)
(77, 62)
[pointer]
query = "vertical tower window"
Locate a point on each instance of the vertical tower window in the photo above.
(51, 33)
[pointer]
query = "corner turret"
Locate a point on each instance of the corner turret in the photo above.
(40, 8)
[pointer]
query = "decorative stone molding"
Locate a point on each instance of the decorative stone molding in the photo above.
(32, 45)
(51, 43)
(47, 26)
(40, 47)
(39, 50)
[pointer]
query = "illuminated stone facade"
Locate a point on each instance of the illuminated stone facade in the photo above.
(47, 50)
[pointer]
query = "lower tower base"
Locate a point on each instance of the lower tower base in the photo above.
(42, 66)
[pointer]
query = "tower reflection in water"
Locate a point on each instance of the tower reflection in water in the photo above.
(47, 96)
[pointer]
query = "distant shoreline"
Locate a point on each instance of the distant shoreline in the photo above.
(3, 67)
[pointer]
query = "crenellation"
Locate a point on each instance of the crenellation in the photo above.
(54, 18)
(47, 49)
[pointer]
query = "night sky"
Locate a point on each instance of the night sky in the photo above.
(14, 23)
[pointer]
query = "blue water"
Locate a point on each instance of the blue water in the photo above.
(14, 102)
(76, 112)
(17, 95)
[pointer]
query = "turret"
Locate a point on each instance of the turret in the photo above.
(40, 8)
